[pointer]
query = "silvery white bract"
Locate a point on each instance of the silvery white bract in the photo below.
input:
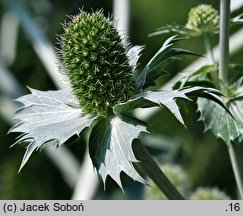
(133, 55)
(156, 66)
(167, 99)
(48, 118)
(111, 147)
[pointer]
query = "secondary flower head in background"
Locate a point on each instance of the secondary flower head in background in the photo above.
(203, 18)
(204, 193)
(177, 176)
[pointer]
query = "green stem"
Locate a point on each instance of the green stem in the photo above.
(224, 76)
(209, 51)
(235, 152)
(155, 173)
(208, 47)
(224, 40)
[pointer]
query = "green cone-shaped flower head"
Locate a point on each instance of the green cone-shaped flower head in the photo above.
(95, 58)
(203, 18)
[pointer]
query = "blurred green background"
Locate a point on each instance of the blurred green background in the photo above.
(203, 157)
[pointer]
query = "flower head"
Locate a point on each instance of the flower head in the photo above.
(177, 176)
(96, 61)
(101, 68)
(209, 194)
(203, 18)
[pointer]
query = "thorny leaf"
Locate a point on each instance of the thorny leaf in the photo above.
(133, 55)
(167, 99)
(176, 29)
(156, 66)
(110, 147)
(48, 118)
(220, 122)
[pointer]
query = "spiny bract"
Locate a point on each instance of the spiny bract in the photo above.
(95, 58)
(203, 18)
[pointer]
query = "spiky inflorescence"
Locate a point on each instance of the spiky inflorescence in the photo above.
(95, 58)
(203, 18)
